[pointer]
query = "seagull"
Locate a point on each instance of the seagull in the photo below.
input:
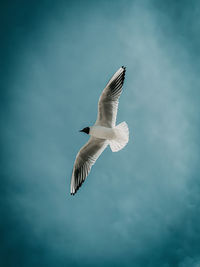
(103, 133)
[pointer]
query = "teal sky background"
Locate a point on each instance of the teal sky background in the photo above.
(138, 207)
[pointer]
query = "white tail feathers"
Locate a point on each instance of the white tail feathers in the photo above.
(122, 137)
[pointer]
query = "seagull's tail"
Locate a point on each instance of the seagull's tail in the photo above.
(122, 137)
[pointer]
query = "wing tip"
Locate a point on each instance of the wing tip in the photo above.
(124, 68)
(123, 74)
(74, 191)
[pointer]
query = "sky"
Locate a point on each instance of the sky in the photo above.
(138, 207)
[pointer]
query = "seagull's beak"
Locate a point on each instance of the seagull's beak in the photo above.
(81, 131)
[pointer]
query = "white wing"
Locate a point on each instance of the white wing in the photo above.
(109, 99)
(85, 158)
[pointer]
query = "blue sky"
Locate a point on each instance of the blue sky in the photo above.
(138, 207)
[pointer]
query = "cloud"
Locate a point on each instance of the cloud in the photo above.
(139, 206)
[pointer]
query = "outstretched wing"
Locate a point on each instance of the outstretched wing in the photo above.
(85, 158)
(109, 99)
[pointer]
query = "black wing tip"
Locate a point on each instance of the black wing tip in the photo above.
(72, 194)
(77, 187)
(124, 68)
(123, 74)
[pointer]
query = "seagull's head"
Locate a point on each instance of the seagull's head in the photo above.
(85, 130)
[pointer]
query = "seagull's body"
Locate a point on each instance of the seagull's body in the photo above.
(104, 132)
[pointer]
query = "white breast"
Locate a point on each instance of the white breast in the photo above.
(102, 132)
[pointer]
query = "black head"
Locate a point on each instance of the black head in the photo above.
(85, 130)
